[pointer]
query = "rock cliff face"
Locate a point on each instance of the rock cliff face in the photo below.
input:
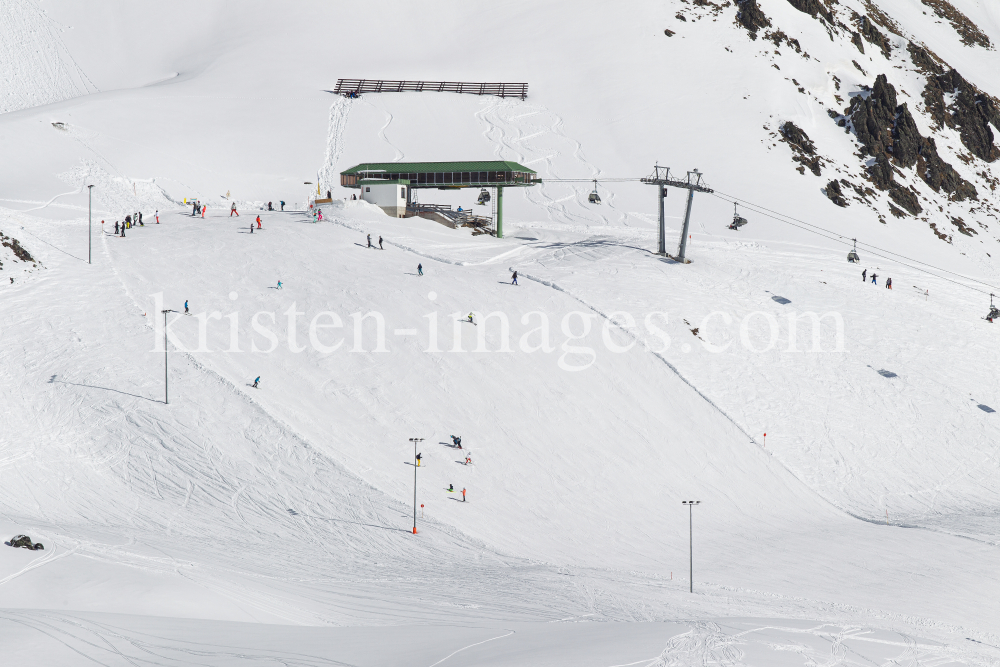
(890, 135)
(923, 136)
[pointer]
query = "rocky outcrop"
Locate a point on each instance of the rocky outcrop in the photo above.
(856, 41)
(969, 32)
(940, 175)
(835, 194)
(16, 248)
(814, 8)
(890, 135)
(905, 197)
(749, 15)
(803, 149)
(874, 36)
(971, 112)
(924, 59)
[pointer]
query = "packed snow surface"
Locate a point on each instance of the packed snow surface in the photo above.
(234, 524)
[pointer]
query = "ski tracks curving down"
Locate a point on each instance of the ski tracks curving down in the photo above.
(536, 137)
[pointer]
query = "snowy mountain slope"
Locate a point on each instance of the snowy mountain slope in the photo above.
(290, 504)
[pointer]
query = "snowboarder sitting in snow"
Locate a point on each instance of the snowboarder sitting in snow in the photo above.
(451, 488)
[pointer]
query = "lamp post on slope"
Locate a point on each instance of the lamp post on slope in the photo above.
(415, 461)
(691, 504)
(166, 376)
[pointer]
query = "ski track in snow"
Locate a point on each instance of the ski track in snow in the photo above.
(35, 66)
(542, 144)
(339, 112)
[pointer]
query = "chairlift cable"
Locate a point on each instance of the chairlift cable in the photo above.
(871, 249)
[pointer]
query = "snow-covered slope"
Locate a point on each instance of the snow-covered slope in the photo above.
(870, 506)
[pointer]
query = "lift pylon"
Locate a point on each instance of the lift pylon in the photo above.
(662, 179)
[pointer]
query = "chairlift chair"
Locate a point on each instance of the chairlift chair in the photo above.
(853, 255)
(484, 197)
(994, 312)
(594, 198)
(738, 221)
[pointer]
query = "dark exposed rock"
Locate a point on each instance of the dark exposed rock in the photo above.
(971, 112)
(814, 8)
(896, 212)
(779, 37)
(680, 17)
(969, 32)
(749, 15)
(669, 33)
(16, 248)
(874, 36)
(803, 149)
(856, 41)
(905, 198)
(835, 194)
(881, 172)
(905, 138)
(881, 18)
(962, 227)
(888, 131)
(940, 175)
(797, 137)
(874, 117)
(924, 60)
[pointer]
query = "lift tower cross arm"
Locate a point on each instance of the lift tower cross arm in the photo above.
(662, 179)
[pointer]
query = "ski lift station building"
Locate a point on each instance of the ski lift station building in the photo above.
(389, 185)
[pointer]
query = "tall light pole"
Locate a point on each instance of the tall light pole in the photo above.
(415, 441)
(90, 221)
(166, 376)
(691, 504)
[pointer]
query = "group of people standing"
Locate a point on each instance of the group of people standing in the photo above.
(864, 279)
(130, 221)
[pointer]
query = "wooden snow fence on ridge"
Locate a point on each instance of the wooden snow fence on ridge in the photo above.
(360, 86)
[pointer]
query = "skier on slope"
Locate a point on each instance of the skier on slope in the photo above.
(457, 441)
(864, 276)
(470, 318)
(282, 205)
(874, 279)
(463, 495)
(232, 210)
(255, 382)
(369, 240)
(194, 208)
(157, 215)
(888, 283)
(258, 222)
(203, 209)
(186, 312)
(513, 280)
(319, 214)
(380, 243)
(116, 228)
(251, 228)
(420, 269)
(279, 284)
